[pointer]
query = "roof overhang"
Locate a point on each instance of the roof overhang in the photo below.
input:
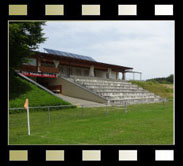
(79, 62)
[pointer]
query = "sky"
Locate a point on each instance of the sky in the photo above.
(146, 46)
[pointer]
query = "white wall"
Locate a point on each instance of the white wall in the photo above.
(113, 75)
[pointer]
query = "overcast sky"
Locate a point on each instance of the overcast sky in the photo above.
(147, 46)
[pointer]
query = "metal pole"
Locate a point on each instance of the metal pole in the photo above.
(28, 120)
(133, 76)
(106, 109)
(164, 102)
(49, 115)
(126, 107)
(82, 111)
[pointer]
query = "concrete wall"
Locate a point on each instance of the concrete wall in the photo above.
(100, 73)
(113, 74)
(103, 74)
(73, 70)
(85, 72)
(74, 90)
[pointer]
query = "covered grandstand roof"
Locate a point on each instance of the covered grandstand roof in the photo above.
(67, 54)
(77, 61)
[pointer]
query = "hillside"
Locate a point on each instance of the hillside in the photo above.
(20, 89)
(163, 90)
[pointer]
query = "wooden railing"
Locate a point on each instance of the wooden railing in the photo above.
(29, 68)
(48, 69)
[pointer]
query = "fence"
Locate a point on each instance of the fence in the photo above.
(82, 110)
(77, 110)
(55, 117)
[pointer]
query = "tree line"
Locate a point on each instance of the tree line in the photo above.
(168, 79)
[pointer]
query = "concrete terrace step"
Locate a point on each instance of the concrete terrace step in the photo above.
(95, 79)
(126, 94)
(135, 101)
(70, 79)
(102, 82)
(120, 91)
(113, 87)
(107, 86)
(128, 97)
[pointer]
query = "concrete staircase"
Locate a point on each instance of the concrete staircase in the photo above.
(117, 92)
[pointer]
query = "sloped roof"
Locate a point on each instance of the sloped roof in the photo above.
(67, 54)
(78, 62)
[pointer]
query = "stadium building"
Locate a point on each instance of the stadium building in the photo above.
(82, 77)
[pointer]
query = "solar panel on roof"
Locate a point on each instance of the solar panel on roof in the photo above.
(66, 54)
(72, 55)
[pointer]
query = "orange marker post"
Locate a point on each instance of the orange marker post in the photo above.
(26, 107)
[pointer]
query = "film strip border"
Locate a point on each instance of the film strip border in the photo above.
(117, 9)
(93, 10)
(42, 155)
(78, 155)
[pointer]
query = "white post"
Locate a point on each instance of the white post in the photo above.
(39, 65)
(28, 120)
(91, 72)
(26, 107)
(56, 63)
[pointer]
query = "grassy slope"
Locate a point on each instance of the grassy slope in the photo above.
(163, 90)
(143, 124)
(21, 89)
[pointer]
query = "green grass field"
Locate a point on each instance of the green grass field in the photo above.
(142, 124)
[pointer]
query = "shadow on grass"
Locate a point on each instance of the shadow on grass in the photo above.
(17, 86)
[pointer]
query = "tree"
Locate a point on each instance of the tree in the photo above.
(163, 80)
(170, 78)
(24, 38)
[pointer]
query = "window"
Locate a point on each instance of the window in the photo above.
(31, 61)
